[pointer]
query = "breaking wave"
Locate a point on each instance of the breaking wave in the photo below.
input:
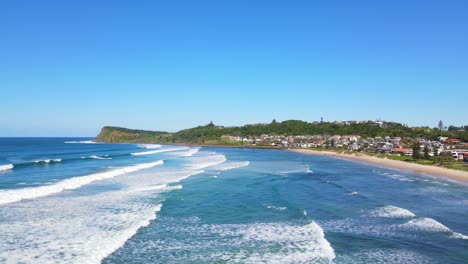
(230, 165)
(157, 151)
(149, 146)
(81, 142)
(391, 211)
(6, 167)
(48, 161)
(430, 225)
(105, 157)
(10, 196)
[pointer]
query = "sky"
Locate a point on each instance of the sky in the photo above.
(67, 68)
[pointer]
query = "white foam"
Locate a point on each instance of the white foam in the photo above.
(48, 160)
(391, 211)
(299, 244)
(149, 146)
(246, 243)
(426, 224)
(39, 231)
(458, 235)
(157, 151)
(163, 187)
(278, 208)
(384, 256)
(46, 236)
(6, 167)
(81, 142)
(201, 162)
(106, 157)
(230, 165)
(431, 225)
(190, 152)
(10, 196)
(354, 193)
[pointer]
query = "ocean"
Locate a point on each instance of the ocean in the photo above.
(70, 200)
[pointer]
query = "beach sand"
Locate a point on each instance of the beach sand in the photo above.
(459, 176)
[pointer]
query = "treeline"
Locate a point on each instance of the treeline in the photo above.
(296, 127)
(201, 134)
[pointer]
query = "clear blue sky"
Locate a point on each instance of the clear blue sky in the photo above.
(70, 67)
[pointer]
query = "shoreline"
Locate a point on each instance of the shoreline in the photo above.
(419, 169)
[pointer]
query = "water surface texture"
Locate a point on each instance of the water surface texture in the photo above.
(69, 200)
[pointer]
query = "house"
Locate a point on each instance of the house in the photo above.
(452, 141)
(400, 150)
(465, 157)
(353, 147)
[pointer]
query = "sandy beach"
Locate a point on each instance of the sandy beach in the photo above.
(459, 176)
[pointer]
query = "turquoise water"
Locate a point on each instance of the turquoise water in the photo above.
(127, 203)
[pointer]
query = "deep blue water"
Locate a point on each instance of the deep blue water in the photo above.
(127, 203)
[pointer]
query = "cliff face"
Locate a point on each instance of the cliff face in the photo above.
(119, 134)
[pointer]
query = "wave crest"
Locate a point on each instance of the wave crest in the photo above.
(6, 167)
(391, 211)
(156, 151)
(10, 196)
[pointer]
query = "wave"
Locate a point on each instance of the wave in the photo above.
(108, 248)
(230, 165)
(157, 151)
(277, 208)
(163, 187)
(149, 146)
(190, 152)
(300, 244)
(204, 162)
(105, 157)
(431, 225)
(47, 160)
(81, 142)
(10, 196)
(306, 170)
(391, 211)
(6, 167)
(279, 242)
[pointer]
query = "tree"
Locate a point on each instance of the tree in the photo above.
(441, 125)
(274, 121)
(332, 143)
(436, 151)
(426, 152)
(416, 150)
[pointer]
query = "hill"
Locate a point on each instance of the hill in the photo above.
(212, 135)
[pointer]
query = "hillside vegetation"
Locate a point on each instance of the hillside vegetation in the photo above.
(211, 134)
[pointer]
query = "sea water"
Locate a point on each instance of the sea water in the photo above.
(70, 200)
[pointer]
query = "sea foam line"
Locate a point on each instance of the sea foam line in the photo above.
(10, 196)
(105, 157)
(157, 151)
(81, 142)
(149, 146)
(6, 167)
(48, 160)
(431, 225)
(391, 211)
(119, 241)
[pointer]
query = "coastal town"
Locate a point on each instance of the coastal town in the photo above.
(443, 146)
